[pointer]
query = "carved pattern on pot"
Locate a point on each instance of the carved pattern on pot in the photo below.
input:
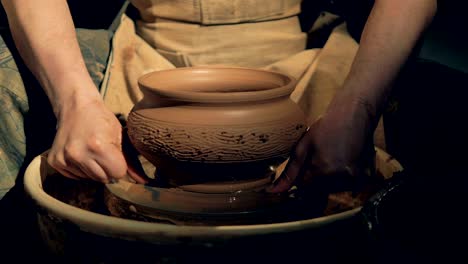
(212, 143)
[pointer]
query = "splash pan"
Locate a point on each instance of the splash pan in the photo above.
(61, 217)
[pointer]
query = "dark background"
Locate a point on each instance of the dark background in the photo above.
(426, 130)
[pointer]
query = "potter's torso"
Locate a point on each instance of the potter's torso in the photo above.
(251, 33)
(209, 12)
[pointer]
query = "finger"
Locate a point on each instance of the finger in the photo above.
(94, 171)
(293, 168)
(57, 161)
(71, 172)
(76, 172)
(112, 161)
(68, 174)
(288, 177)
(81, 164)
(139, 178)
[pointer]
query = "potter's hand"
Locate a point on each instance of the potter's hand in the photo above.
(332, 153)
(336, 145)
(88, 142)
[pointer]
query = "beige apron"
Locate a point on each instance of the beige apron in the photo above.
(248, 33)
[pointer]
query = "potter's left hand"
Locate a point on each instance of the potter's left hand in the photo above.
(88, 141)
(90, 144)
(332, 153)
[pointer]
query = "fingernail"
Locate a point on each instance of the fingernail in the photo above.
(112, 180)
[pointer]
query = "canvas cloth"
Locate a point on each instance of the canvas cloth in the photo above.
(247, 33)
(27, 123)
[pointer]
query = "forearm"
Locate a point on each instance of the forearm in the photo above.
(390, 34)
(45, 37)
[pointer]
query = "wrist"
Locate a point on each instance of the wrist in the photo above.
(353, 112)
(353, 98)
(74, 97)
(368, 108)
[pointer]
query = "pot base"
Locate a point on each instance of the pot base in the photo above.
(180, 207)
(229, 187)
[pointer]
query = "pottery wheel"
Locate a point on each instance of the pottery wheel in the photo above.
(189, 206)
(233, 202)
(141, 202)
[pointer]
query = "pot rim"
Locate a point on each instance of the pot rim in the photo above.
(283, 89)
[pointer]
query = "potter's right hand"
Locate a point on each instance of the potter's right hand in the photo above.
(88, 142)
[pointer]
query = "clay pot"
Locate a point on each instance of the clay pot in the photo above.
(215, 124)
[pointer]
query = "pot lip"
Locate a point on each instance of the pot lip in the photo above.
(114, 226)
(220, 97)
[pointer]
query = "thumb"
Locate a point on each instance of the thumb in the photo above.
(294, 168)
